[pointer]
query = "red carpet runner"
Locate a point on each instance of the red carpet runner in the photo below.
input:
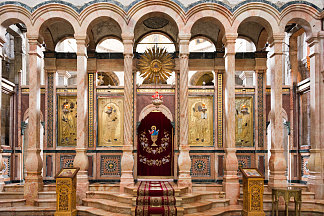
(155, 198)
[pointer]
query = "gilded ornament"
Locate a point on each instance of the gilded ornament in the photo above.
(244, 121)
(67, 121)
(156, 65)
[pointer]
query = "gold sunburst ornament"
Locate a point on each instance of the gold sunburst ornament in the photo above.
(156, 65)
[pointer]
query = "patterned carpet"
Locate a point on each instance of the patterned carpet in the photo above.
(155, 198)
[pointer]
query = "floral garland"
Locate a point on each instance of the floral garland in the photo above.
(152, 162)
(164, 143)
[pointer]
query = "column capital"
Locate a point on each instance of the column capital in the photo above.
(128, 41)
(127, 37)
(229, 38)
(277, 38)
(184, 37)
(81, 46)
(80, 38)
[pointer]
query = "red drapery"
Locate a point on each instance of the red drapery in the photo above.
(154, 160)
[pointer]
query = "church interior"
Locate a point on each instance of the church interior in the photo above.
(162, 107)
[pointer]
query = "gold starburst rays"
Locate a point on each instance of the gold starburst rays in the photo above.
(156, 65)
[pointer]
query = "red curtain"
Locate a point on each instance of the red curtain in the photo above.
(154, 160)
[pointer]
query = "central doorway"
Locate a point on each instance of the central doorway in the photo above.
(155, 146)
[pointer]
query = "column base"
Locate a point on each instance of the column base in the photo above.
(315, 180)
(185, 181)
(231, 187)
(33, 185)
(82, 186)
(126, 180)
(277, 165)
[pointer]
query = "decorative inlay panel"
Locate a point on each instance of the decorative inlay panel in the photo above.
(7, 168)
(220, 110)
(260, 110)
(200, 166)
(244, 161)
(304, 166)
(110, 165)
(91, 110)
(66, 161)
(50, 94)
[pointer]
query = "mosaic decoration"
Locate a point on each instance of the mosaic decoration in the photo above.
(304, 168)
(7, 168)
(110, 121)
(67, 121)
(66, 161)
(244, 122)
(50, 94)
(200, 166)
(244, 161)
(200, 121)
(220, 110)
(260, 110)
(90, 110)
(178, 109)
(110, 165)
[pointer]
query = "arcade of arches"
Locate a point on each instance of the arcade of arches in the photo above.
(243, 86)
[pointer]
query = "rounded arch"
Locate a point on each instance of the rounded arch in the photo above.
(165, 35)
(261, 14)
(92, 12)
(46, 16)
(151, 108)
(111, 38)
(221, 15)
(169, 8)
(202, 76)
(304, 16)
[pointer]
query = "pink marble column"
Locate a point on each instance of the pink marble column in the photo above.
(34, 164)
(316, 183)
(81, 158)
(277, 161)
(127, 161)
(2, 41)
(231, 184)
(184, 160)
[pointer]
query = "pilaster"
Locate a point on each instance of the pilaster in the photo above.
(277, 162)
(316, 183)
(1, 159)
(33, 179)
(81, 158)
(230, 180)
(127, 161)
(184, 160)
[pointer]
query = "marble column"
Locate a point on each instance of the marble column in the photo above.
(33, 164)
(277, 161)
(316, 183)
(184, 160)
(127, 161)
(231, 184)
(81, 158)
(2, 41)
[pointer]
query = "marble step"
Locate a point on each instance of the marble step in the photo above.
(233, 210)
(12, 202)
(180, 211)
(194, 197)
(47, 195)
(204, 205)
(91, 211)
(108, 205)
(104, 187)
(26, 210)
(13, 188)
(206, 187)
(11, 195)
(110, 195)
(50, 187)
(45, 202)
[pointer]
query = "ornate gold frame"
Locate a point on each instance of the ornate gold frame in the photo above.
(67, 122)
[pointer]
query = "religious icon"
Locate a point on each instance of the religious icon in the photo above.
(201, 123)
(110, 121)
(244, 122)
(154, 134)
(67, 117)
